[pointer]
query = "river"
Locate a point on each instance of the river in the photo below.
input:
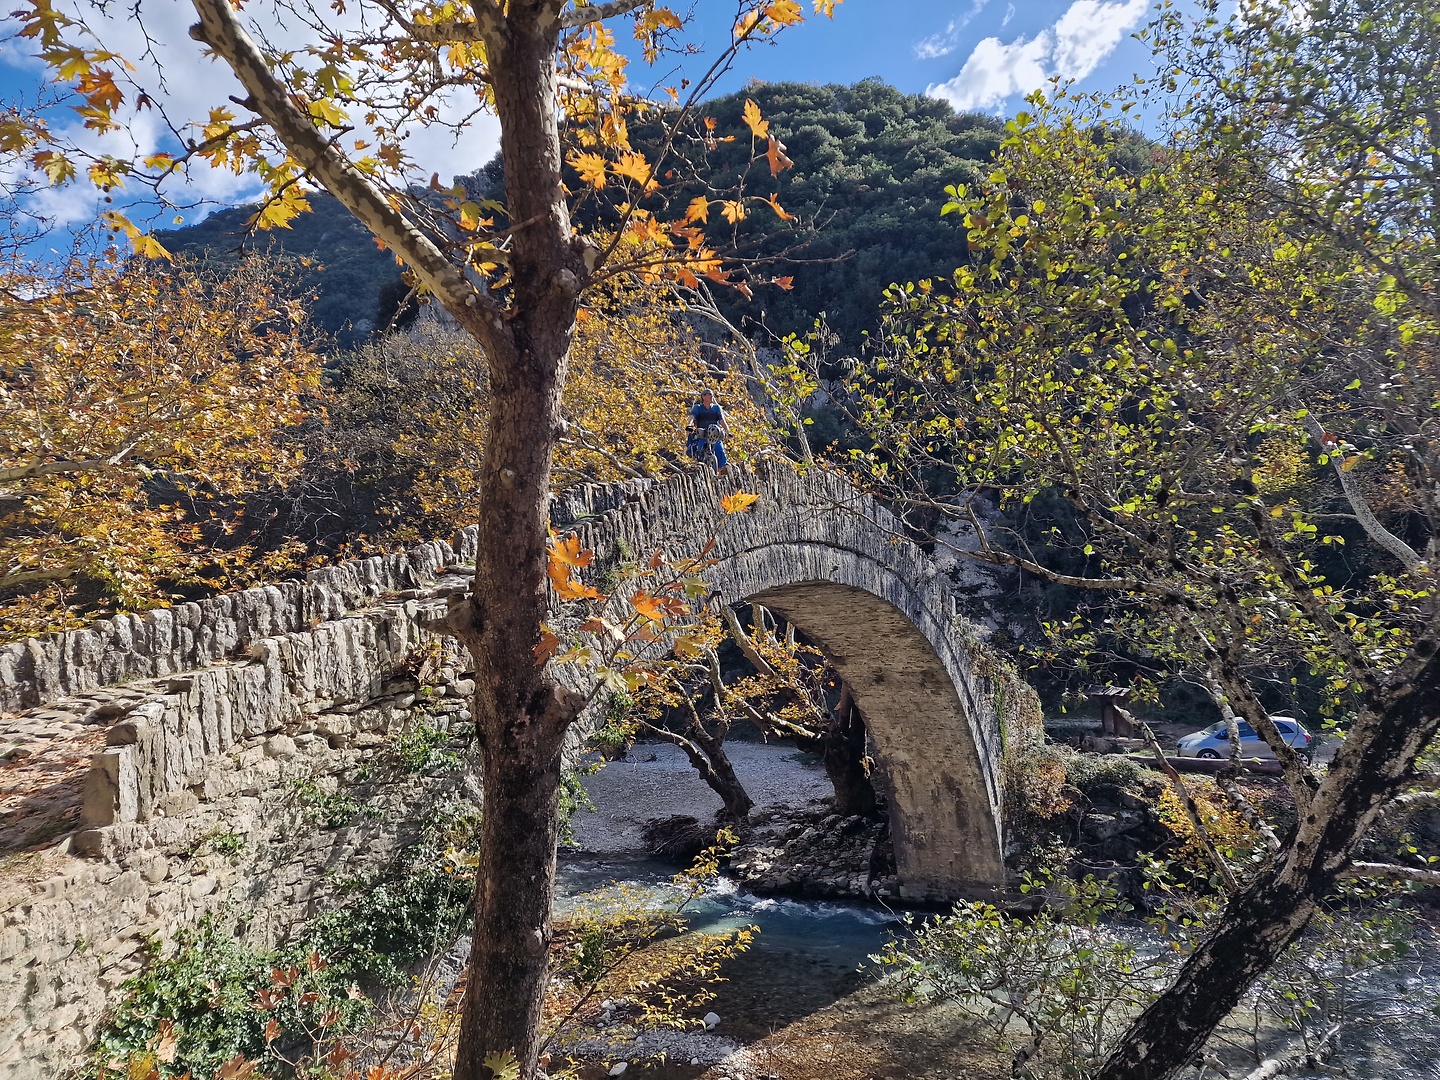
(798, 1005)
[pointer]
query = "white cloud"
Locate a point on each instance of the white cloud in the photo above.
(185, 85)
(945, 42)
(996, 70)
(1089, 31)
(1009, 14)
(1072, 48)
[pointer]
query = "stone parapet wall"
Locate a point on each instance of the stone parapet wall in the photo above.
(216, 790)
(165, 641)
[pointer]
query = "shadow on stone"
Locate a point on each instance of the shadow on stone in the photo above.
(678, 839)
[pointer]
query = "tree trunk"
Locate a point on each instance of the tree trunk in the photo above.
(726, 784)
(707, 754)
(514, 886)
(1265, 917)
(843, 748)
(522, 715)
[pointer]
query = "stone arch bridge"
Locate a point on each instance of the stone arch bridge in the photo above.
(834, 562)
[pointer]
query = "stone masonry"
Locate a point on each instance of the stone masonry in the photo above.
(231, 756)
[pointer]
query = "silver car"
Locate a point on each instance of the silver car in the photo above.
(1214, 741)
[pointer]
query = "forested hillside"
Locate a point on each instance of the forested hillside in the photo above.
(870, 169)
(346, 271)
(871, 166)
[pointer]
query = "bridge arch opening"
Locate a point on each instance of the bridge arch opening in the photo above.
(835, 563)
(943, 819)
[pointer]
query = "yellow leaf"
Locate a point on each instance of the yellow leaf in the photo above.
(591, 168)
(327, 111)
(747, 22)
(659, 17)
(785, 12)
(280, 210)
(738, 502)
(751, 115)
(734, 210)
(58, 169)
(151, 248)
(826, 7)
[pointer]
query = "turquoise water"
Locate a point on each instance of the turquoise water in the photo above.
(807, 955)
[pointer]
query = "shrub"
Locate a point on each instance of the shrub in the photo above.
(1086, 772)
(217, 997)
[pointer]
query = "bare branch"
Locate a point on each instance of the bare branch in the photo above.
(1394, 871)
(1298, 1055)
(1356, 498)
(593, 13)
(742, 639)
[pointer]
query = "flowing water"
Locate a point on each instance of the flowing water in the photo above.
(807, 955)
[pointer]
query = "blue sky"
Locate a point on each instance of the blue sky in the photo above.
(978, 54)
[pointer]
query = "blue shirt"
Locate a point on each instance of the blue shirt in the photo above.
(702, 417)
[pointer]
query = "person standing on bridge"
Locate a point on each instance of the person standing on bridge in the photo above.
(704, 415)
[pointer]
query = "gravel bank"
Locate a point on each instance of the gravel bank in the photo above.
(658, 781)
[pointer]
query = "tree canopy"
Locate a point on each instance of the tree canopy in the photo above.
(139, 404)
(1210, 360)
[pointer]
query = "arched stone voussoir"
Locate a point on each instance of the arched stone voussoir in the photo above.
(835, 562)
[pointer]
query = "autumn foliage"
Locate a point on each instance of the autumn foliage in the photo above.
(410, 411)
(138, 405)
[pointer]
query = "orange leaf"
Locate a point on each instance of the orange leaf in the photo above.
(634, 166)
(657, 560)
(568, 552)
(779, 210)
(648, 606)
(786, 283)
(568, 588)
(546, 647)
(698, 210)
(591, 168)
(734, 210)
(739, 501)
(751, 116)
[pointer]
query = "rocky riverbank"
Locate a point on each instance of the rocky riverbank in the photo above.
(793, 845)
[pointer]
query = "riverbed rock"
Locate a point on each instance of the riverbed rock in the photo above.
(812, 853)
